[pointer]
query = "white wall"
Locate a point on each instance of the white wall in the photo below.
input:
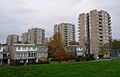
(22, 52)
(1, 52)
(1, 49)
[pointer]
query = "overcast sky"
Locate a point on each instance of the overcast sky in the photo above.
(17, 16)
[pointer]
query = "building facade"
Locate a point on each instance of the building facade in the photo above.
(47, 40)
(1, 54)
(24, 37)
(94, 30)
(67, 31)
(27, 53)
(34, 36)
(11, 39)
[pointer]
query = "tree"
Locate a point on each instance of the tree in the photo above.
(60, 54)
(56, 43)
(56, 46)
(102, 52)
(115, 44)
(115, 48)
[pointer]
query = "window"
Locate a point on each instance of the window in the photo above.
(100, 33)
(101, 36)
(34, 54)
(29, 55)
(18, 54)
(29, 48)
(18, 48)
(21, 54)
(34, 48)
(24, 48)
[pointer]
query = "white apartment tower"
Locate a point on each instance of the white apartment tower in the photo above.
(67, 31)
(94, 30)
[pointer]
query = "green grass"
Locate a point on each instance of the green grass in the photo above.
(76, 69)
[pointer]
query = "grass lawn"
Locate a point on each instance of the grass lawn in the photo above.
(76, 69)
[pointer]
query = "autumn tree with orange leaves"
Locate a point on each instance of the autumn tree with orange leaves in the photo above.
(56, 43)
(56, 46)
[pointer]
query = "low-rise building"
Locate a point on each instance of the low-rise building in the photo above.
(6, 55)
(75, 50)
(27, 53)
(1, 54)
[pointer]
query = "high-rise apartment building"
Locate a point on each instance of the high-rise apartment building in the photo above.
(24, 37)
(11, 39)
(34, 36)
(94, 30)
(67, 31)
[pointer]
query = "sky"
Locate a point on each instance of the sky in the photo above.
(17, 16)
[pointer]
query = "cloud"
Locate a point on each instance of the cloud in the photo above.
(17, 16)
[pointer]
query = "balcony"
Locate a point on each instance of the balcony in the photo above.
(100, 28)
